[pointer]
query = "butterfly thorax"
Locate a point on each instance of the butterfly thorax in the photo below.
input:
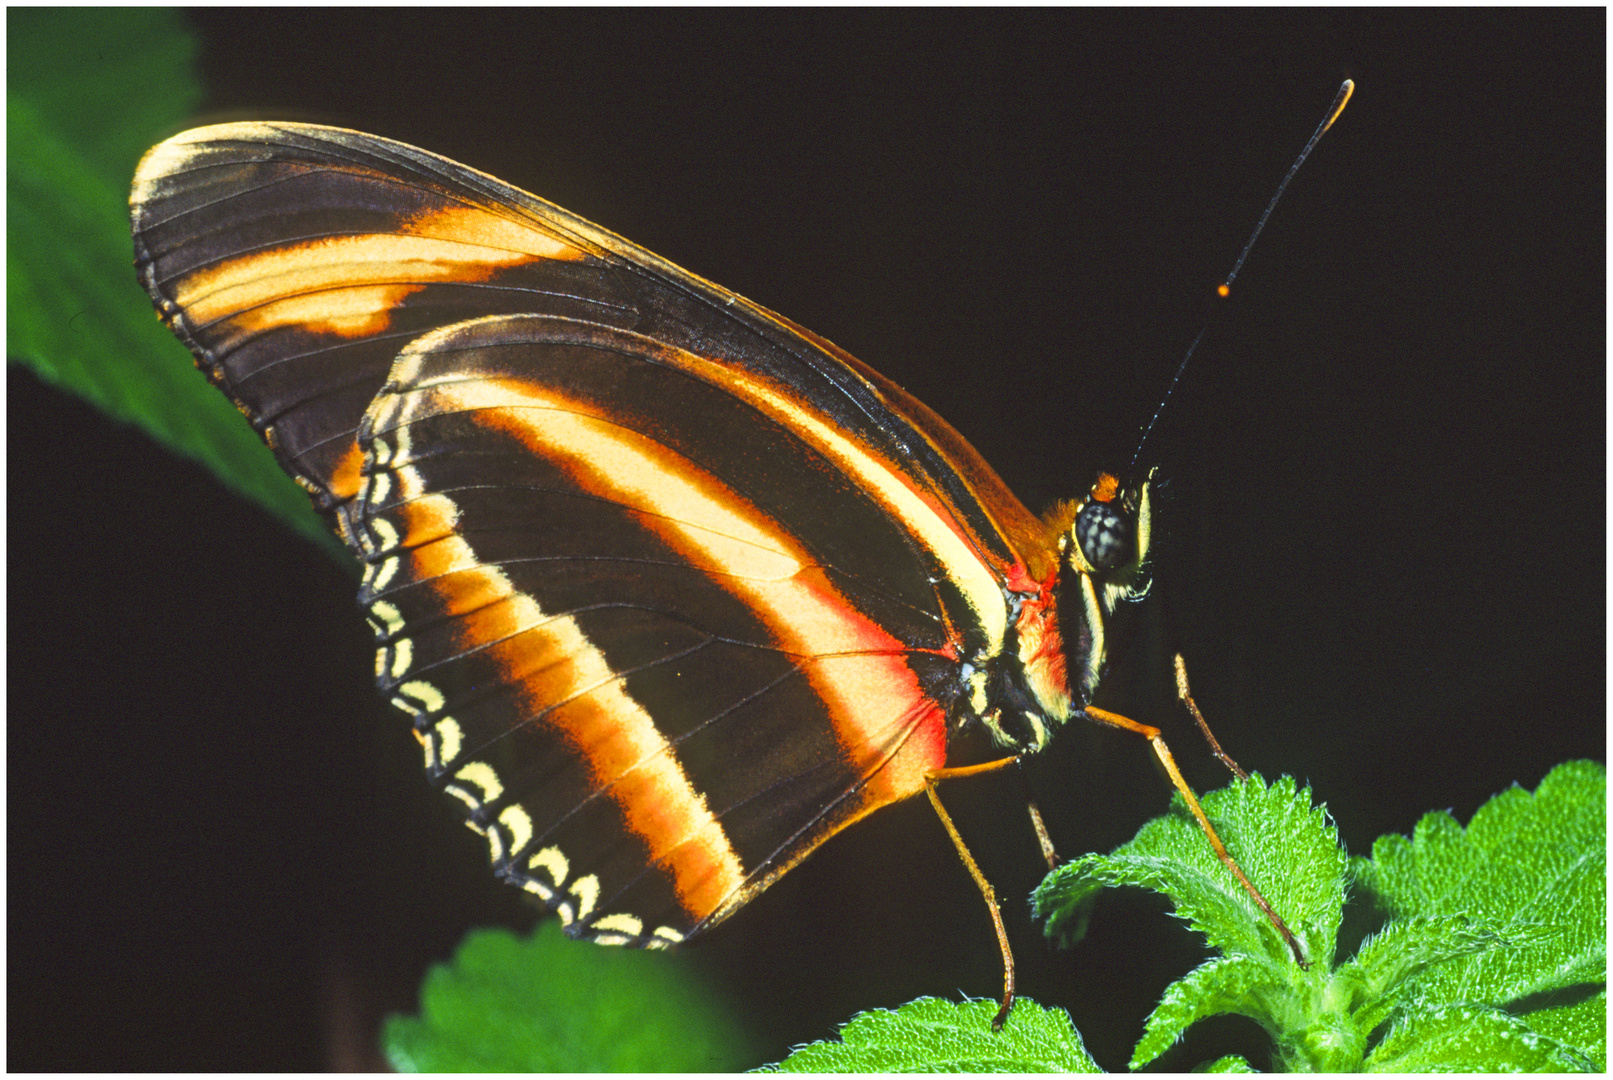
(1053, 656)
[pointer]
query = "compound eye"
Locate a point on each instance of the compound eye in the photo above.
(1104, 535)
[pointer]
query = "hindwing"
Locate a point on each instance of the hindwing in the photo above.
(606, 628)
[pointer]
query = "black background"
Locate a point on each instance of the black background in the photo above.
(1380, 543)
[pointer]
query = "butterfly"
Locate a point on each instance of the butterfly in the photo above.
(671, 588)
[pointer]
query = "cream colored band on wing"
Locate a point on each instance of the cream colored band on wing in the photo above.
(568, 680)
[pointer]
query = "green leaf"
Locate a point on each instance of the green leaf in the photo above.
(1067, 906)
(89, 89)
(1470, 1038)
(1525, 865)
(1220, 985)
(1290, 850)
(543, 1003)
(1494, 957)
(1382, 971)
(106, 80)
(1287, 847)
(935, 1035)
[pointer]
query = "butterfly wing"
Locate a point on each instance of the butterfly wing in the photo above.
(651, 690)
(673, 589)
(297, 260)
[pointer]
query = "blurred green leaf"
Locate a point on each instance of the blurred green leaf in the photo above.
(107, 81)
(934, 1035)
(89, 89)
(544, 1003)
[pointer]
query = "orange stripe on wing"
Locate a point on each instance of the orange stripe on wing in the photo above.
(348, 285)
(567, 683)
(347, 478)
(872, 696)
(919, 512)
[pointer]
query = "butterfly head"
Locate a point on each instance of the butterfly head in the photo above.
(1108, 538)
(1105, 550)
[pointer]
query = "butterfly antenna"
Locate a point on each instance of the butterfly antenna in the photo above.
(1341, 99)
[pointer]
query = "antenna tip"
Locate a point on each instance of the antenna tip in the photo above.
(1223, 289)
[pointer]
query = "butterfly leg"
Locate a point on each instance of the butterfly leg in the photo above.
(969, 863)
(1044, 841)
(1163, 753)
(1186, 695)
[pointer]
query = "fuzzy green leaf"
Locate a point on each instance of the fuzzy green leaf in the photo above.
(1534, 869)
(543, 1003)
(1067, 907)
(1470, 1038)
(1290, 850)
(935, 1035)
(1286, 846)
(1220, 985)
(1494, 957)
(1232, 1063)
(89, 89)
(1382, 972)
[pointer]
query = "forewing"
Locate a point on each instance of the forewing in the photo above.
(296, 261)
